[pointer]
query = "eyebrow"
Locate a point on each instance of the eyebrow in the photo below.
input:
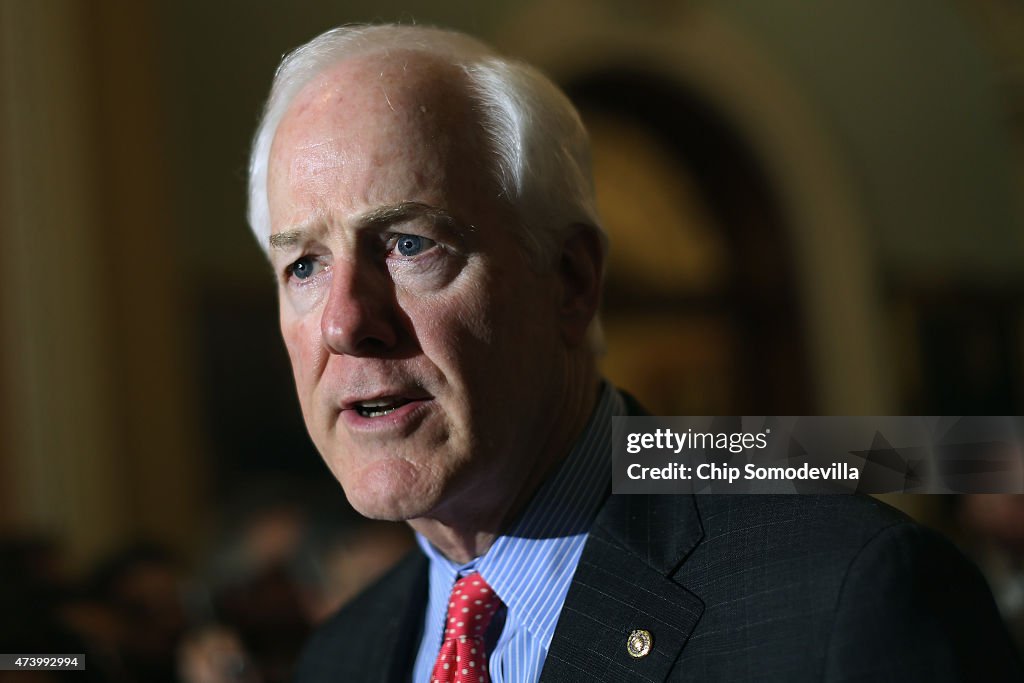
(381, 216)
(288, 238)
(395, 213)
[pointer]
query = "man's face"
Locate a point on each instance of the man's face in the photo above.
(426, 352)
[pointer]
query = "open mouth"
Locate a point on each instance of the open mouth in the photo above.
(380, 407)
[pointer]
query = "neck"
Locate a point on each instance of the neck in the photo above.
(467, 527)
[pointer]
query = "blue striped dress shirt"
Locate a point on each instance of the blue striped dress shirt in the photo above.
(530, 567)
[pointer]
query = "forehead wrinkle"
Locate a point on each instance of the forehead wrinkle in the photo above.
(314, 160)
(315, 144)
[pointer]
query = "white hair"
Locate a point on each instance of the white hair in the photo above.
(540, 149)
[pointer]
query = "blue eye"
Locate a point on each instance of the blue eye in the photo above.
(411, 245)
(302, 268)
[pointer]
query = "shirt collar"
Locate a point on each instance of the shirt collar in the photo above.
(530, 566)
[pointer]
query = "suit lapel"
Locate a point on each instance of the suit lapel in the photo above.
(400, 633)
(623, 583)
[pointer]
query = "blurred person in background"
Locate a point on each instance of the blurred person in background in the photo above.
(335, 565)
(142, 586)
(427, 207)
(126, 617)
(247, 609)
(284, 560)
(993, 525)
(215, 654)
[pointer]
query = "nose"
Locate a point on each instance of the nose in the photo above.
(360, 316)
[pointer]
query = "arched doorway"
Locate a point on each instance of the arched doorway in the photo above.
(701, 309)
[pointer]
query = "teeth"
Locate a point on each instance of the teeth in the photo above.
(379, 407)
(375, 404)
(368, 412)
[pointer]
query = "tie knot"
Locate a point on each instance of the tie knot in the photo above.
(470, 608)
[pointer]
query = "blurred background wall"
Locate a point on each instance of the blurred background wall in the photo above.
(814, 209)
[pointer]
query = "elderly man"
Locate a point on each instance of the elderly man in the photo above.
(428, 209)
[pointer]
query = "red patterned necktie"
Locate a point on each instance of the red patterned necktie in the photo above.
(462, 658)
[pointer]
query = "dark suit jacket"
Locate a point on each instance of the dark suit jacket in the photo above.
(733, 588)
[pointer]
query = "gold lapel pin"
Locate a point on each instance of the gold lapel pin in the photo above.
(639, 643)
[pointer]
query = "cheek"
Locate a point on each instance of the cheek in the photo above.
(302, 338)
(450, 325)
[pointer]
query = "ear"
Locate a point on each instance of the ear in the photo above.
(580, 270)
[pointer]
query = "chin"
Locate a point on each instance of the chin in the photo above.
(391, 508)
(389, 490)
